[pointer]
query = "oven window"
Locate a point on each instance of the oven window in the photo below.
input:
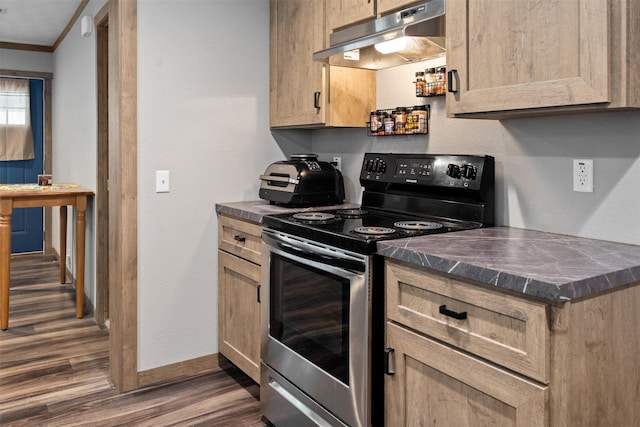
(309, 313)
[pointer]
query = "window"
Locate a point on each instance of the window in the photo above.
(16, 139)
(14, 104)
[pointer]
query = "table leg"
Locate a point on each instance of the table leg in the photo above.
(63, 244)
(5, 261)
(81, 207)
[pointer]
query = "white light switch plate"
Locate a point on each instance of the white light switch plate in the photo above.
(162, 181)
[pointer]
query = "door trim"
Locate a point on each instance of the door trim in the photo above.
(123, 200)
(101, 22)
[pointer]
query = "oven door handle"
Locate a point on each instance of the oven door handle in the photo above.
(325, 259)
(347, 264)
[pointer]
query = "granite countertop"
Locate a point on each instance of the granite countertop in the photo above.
(550, 267)
(256, 209)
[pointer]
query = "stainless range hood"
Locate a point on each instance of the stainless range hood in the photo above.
(421, 27)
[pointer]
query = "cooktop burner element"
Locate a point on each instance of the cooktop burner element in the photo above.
(352, 213)
(417, 225)
(374, 231)
(314, 216)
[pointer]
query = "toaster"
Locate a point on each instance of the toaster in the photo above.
(302, 181)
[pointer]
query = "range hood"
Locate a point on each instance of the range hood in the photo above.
(421, 27)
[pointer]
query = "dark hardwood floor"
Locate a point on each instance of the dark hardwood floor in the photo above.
(54, 369)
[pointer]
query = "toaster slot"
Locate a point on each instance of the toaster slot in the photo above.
(278, 180)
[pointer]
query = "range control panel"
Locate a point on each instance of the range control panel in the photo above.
(456, 171)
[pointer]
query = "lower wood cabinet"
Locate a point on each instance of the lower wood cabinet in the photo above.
(464, 354)
(438, 386)
(238, 294)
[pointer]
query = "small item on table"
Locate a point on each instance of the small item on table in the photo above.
(45, 180)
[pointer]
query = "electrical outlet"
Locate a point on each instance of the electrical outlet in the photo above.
(583, 176)
(337, 161)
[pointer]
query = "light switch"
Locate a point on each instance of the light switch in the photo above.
(162, 181)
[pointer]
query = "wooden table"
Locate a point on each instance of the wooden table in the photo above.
(30, 196)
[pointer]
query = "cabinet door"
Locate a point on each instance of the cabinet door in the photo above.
(386, 6)
(297, 82)
(436, 385)
(309, 94)
(341, 13)
(527, 54)
(239, 313)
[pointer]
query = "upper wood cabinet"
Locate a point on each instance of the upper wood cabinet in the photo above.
(386, 6)
(341, 13)
(309, 94)
(518, 58)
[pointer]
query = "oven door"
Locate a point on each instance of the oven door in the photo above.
(316, 323)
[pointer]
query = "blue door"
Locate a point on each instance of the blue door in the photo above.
(26, 224)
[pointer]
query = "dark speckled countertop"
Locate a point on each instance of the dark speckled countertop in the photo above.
(256, 209)
(545, 266)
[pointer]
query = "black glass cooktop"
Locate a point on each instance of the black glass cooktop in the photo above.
(359, 229)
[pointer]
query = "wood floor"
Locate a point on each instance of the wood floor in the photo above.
(54, 369)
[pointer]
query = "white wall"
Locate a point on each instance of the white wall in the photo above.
(75, 129)
(203, 111)
(533, 161)
(23, 60)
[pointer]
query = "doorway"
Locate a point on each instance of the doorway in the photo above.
(25, 106)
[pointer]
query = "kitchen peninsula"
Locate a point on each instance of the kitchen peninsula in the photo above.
(515, 325)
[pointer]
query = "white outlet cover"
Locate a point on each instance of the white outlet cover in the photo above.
(338, 162)
(583, 175)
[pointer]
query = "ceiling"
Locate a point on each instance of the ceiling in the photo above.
(35, 22)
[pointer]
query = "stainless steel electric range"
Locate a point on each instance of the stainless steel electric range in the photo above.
(323, 302)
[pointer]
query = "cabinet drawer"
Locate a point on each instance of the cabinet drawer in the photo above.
(241, 238)
(504, 329)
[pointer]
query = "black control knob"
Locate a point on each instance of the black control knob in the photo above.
(369, 165)
(375, 166)
(453, 170)
(469, 171)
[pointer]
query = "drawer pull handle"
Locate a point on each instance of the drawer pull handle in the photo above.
(387, 356)
(258, 294)
(239, 238)
(454, 314)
